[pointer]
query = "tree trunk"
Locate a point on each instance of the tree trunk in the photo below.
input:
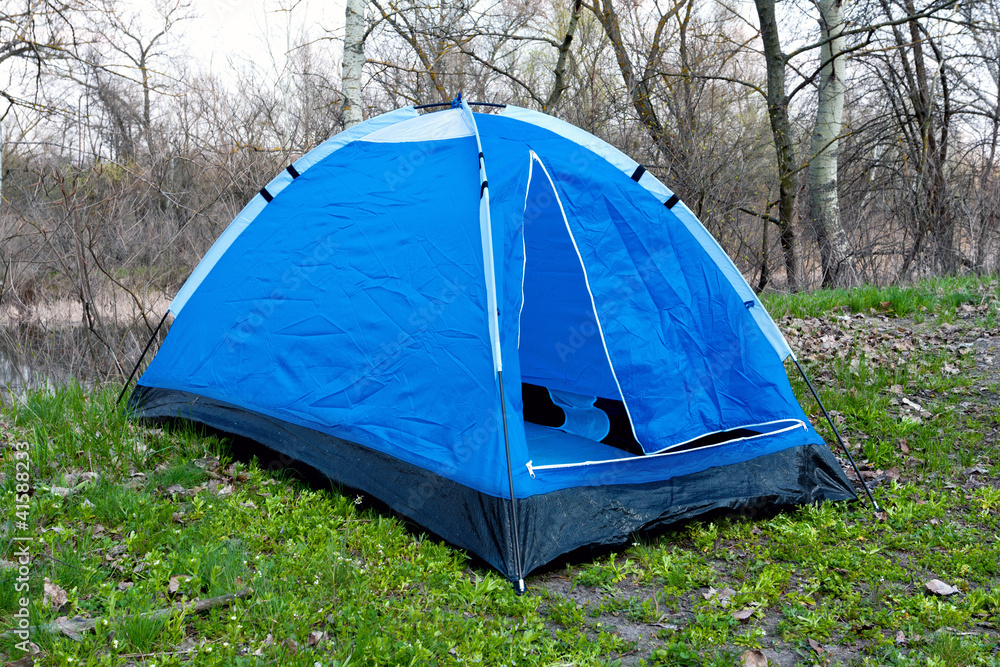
(781, 130)
(824, 207)
(560, 84)
(354, 61)
(638, 83)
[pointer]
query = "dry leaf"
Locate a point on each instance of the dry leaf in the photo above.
(52, 595)
(743, 614)
(753, 658)
(175, 583)
(900, 637)
(721, 596)
(315, 637)
(816, 646)
(69, 628)
(938, 587)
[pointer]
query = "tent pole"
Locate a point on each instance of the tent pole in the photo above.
(519, 585)
(837, 433)
(141, 357)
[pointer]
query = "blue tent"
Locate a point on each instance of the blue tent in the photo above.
(502, 327)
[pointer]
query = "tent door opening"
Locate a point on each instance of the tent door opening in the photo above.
(573, 407)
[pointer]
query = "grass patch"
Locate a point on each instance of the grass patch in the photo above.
(942, 295)
(169, 517)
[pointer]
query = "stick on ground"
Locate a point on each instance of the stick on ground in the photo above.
(74, 627)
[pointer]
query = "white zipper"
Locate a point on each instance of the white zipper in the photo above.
(665, 452)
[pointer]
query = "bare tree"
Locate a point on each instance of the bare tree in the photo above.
(354, 61)
(835, 251)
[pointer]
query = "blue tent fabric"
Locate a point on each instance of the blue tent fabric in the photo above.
(347, 316)
(347, 323)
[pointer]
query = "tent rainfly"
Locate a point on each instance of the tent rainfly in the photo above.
(550, 358)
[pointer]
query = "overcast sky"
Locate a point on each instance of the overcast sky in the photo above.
(254, 29)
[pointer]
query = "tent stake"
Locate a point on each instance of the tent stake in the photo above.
(837, 433)
(141, 357)
(519, 584)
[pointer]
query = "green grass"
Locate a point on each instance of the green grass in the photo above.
(335, 584)
(932, 295)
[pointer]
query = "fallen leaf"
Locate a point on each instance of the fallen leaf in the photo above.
(52, 595)
(207, 463)
(815, 645)
(743, 614)
(721, 596)
(174, 489)
(665, 626)
(125, 585)
(900, 637)
(315, 637)
(753, 658)
(938, 587)
(69, 628)
(175, 583)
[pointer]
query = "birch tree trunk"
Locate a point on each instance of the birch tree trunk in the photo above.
(781, 130)
(824, 206)
(354, 61)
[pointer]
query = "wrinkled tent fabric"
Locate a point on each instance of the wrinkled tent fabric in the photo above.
(358, 313)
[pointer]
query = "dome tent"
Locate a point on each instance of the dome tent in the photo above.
(549, 358)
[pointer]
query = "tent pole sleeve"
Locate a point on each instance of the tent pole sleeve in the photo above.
(836, 433)
(493, 315)
(152, 337)
(519, 586)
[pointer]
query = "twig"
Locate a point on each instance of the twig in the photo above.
(73, 627)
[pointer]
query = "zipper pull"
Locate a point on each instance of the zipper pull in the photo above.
(531, 469)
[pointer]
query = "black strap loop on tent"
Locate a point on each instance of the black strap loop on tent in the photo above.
(141, 357)
(837, 433)
(637, 174)
(292, 171)
(266, 195)
(670, 203)
(519, 585)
